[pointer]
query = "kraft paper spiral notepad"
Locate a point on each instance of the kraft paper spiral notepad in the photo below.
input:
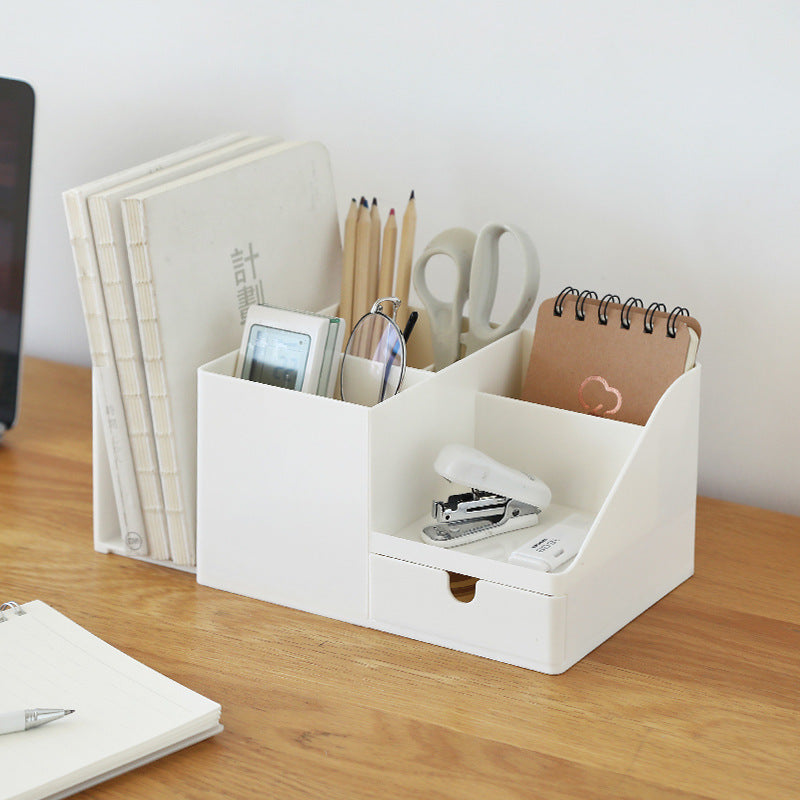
(606, 357)
(126, 714)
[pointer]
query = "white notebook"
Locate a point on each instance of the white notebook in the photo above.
(126, 714)
(261, 228)
(141, 513)
(105, 212)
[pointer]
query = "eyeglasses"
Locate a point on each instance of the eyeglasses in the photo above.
(374, 360)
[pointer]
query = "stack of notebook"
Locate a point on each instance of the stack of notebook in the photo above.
(170, 255)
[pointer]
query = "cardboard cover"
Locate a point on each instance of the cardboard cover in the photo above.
(606, 369)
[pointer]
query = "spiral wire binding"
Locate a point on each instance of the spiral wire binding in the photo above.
(580, 314)
(602, 309)
(648, 315)
(558, 307)
(625, 312)
(10, 606)
(676, 312)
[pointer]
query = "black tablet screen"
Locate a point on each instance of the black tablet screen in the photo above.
(16, 133)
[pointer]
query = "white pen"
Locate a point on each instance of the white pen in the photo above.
(27, 718)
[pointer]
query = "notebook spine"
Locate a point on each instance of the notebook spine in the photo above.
(648, 318)
(112, 413)
(180, 536)
(89, 285)
(132, 381)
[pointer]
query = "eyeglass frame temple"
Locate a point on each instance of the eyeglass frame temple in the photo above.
(377, 308)
(400, 344)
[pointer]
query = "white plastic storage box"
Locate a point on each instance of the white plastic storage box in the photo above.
(318, 504)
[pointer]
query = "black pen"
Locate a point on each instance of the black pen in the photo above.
(412, 321)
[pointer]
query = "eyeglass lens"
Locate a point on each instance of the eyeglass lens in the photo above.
(372, 366)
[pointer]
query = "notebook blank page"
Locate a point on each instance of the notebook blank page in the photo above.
(123, 709)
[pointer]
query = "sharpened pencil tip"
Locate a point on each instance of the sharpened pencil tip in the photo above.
(412, 195)
(364, 202)
(374, 201)
(391, 211)
(69, 711)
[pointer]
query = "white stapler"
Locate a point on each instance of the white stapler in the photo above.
(502, 499)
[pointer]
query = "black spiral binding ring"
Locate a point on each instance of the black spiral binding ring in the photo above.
(580, 314)
(650, 313)
(625, 314)
(11, 606)
(558, 308)
(678, 311)
(602, 309)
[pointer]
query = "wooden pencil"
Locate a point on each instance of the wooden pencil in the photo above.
(361, 303)
(348, 265)
(374, 251)
(388, 252)
(405, 258)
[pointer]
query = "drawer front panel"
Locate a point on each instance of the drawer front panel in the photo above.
(499, 622)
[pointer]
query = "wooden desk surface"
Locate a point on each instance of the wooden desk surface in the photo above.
(698, 697)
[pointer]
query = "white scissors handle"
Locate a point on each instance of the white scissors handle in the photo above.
(446, 317)
(483, 285)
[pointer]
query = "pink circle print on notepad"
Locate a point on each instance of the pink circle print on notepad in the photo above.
(598, 397)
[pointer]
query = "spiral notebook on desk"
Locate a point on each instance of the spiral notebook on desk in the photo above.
(126, 714)
(608, 358)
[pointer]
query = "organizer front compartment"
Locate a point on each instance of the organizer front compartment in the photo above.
(500, 622)
(282, 497)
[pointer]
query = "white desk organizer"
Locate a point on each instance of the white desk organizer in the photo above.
(317, 504)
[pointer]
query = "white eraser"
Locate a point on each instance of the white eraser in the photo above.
(551, 548)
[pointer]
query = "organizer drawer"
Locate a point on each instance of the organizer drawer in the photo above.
(500, 622)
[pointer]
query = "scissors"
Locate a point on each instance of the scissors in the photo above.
(477, 267)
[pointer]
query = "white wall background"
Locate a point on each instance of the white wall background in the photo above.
(650, 149)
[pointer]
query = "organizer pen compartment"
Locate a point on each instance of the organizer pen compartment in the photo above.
(318, 504)
(283, 491)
